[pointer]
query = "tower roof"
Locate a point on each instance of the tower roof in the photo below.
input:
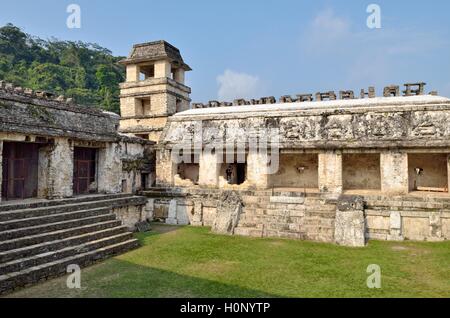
(153, 51)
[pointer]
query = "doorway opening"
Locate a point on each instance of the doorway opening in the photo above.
(20, 170)
(85, 171)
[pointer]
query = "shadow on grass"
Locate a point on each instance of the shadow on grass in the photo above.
(118, 278)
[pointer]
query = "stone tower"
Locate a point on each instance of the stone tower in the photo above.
(154, 89)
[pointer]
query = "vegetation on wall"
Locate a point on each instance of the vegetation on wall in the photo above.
(86, 72)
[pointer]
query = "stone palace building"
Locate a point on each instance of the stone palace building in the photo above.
(341, 168)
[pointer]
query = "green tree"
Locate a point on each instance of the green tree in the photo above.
(85, 71)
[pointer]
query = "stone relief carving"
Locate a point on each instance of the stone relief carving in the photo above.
(429, 124)
(370, 126)
(338, 127)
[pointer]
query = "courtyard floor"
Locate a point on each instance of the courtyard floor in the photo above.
(192, 262)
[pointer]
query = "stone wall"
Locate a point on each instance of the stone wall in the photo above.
(130, 215)
(361, 171)
(56, 170)
(297, 171)
(347, 220)
(407, 218)
(110, 169)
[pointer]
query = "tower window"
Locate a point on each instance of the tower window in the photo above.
(143, 106)
(147, 71)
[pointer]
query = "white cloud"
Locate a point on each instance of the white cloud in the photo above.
(328, 25)
(238, 85)
(365, 56)
(326, 30)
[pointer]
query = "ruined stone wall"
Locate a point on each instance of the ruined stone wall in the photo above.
(134, 210)
(407, 218)
(347, 220)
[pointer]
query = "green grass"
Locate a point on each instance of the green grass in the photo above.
(192, 262)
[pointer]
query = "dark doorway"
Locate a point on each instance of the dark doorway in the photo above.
(84, 170)
(240, 172)
(234, 173)
(144, 181)
(19, 170)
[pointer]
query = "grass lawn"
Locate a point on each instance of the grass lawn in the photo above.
(192, 262)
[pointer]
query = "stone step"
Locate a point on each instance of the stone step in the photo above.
(248, 231)
(29, 212)
(6, 206)
(57, 268)
(52, 218)
(35, 260)
(57, 235)
(302, 207)
(50, 227)
(31, 250)
(285, 234)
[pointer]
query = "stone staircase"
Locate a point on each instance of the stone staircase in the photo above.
(38, 240)
(287, 214)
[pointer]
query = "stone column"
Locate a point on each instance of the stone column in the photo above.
(257, 170)
(179, 75)
(165, 168)
(133, 73)
(209, 169)
(394, 172)
(162, 69)
(197, 219)
(109, 169)
(350, 224)
(330, 172)
(172, 215)
(56, 169)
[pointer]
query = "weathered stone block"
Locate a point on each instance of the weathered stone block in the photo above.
(349, 223)
(172, 216)
(229, 209)
(395, 227)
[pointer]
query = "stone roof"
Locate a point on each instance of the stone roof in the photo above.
(26, 111)
(379, 122)
(376, 102)
(153, 51)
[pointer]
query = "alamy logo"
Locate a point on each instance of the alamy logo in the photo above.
(74, 279)
(374, 19)
(74, 19)
(374, 279)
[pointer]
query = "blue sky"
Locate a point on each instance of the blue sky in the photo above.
(252, 48)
